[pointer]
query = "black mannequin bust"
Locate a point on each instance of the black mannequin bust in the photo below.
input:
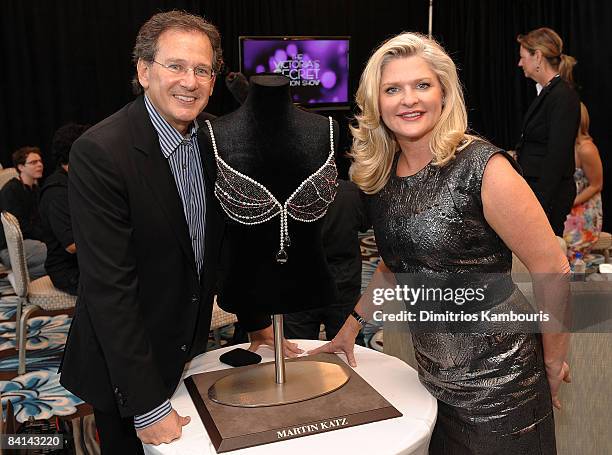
(278, 145)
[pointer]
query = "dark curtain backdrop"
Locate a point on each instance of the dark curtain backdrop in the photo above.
(70, 60)
(481, 37)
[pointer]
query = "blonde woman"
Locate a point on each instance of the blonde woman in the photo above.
(583, 224)
(445, 203)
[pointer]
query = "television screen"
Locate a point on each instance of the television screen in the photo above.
(317, 67)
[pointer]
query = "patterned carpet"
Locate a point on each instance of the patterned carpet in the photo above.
(38, 393)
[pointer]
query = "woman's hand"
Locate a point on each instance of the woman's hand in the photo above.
(266, 337)
(557, 375)
(344, 341)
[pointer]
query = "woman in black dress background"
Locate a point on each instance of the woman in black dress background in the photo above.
(444, 203)
(546, 147)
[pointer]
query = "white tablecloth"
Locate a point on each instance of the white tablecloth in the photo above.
(392, 378)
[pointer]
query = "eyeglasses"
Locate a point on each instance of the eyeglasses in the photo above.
(203, 73)
(34, 162)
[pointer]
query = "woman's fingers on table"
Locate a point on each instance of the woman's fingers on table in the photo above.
(350, 356)
(327, 347)
(333, 347)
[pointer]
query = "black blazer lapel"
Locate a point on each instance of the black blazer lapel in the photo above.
(532, 109)
(537, 101)
(157, 175)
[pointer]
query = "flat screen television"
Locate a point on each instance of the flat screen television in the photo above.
(317, 66)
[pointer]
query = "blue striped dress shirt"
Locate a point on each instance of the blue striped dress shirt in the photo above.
(183, 155)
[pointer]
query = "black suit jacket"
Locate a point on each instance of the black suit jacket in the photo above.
(546, 147)
(142, 312)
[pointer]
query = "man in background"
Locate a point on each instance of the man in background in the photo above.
(20, 197)
(346, 217)
(61, 264)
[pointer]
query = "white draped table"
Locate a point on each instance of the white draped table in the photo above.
(392, 378)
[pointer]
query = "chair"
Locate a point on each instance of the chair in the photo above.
(8, 424)
(603, 244)
(220, 319)
(6, 175)
(35, 295)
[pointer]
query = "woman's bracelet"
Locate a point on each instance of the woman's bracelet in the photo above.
(359, 318)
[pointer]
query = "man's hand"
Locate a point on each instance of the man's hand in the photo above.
(266, 337)
(166, 430)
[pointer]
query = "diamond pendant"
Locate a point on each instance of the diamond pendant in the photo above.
(281, 256)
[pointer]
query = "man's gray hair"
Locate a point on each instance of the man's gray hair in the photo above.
(148, 37)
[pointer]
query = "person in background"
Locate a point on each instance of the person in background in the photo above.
(20, 197)
(545, 150)
(61, 264)
(583, 224)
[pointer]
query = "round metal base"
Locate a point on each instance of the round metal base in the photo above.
(256, 387)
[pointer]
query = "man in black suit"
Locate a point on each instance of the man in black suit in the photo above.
(148, 229)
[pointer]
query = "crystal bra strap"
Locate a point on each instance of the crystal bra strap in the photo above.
(285, 241)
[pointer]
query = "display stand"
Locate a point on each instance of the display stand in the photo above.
(278, 383)
(231, 427)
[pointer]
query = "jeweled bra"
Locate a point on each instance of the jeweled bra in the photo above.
(249, 202)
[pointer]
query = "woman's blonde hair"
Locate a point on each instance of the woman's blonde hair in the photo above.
(583, 130)
(374, 145)
(550, 44)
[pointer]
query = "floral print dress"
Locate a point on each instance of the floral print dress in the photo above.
(583, 224)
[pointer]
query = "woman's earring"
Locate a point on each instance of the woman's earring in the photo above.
(538, 69)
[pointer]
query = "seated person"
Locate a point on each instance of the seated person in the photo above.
(345, 218)
(20, 197)
(583, 224)
(61, 264)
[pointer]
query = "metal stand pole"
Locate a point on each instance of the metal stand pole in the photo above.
(279, 357)
(429, 25)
